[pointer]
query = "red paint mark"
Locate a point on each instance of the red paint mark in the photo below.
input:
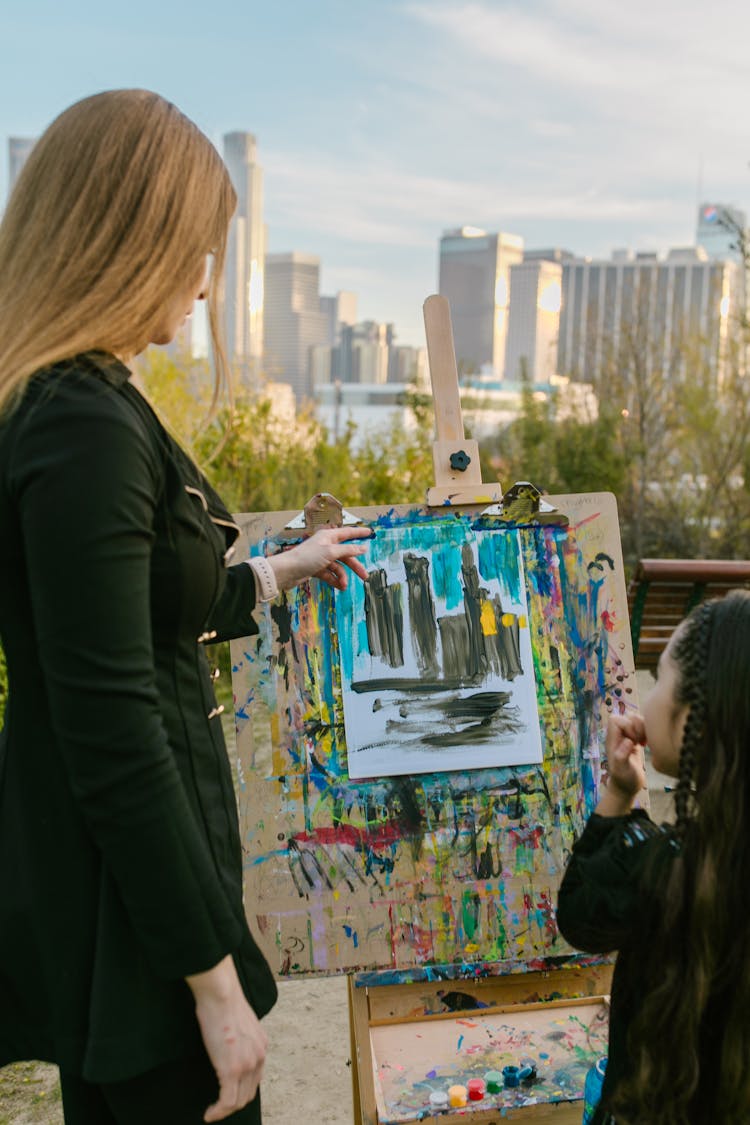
(589, 519)
(527, 837)
(547, 908)
(608, 621)
(380, 836)
(467, 1023)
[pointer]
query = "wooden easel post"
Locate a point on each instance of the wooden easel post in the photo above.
(458, 473)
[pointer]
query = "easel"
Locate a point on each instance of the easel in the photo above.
(374, 1006)
(329, 890)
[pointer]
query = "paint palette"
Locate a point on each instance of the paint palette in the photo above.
(561, 1041)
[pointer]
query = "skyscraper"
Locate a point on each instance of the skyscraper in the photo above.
(246, 250)
(640, 300)
(293, 321)
(339, 311)
(533, 320)
(475, 277)
(18, 151)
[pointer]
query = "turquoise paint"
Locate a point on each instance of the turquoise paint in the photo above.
(499, 557)
(446, 575)
(344, 618)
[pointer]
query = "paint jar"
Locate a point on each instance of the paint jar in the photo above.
(494, 1080)
(511, 1076)
(458, 1096)
(592, 1091)
(439, 1099)
(475, 1089)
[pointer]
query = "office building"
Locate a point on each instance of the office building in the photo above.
(339, 310)
(293, 323)
(18, 151)
(644, 302)
(362, 355)
(533, 320)
(474, 275)
(407, 365)
(246, 249)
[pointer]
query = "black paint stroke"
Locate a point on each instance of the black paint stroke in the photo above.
(486, 716)
(476, 657)
(384, 618)
(422, 612)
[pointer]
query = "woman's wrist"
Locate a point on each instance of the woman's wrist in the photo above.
(216, 984)
(285, 573)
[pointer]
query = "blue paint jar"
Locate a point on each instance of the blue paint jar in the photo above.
(592, 1091)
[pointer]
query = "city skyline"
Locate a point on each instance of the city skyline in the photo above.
(379, 126)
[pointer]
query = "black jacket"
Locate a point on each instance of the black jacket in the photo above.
(610, 899)
(120, 858)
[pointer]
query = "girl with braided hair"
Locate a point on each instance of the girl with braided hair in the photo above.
(672, 900)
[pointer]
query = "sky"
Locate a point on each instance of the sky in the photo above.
(584, 124)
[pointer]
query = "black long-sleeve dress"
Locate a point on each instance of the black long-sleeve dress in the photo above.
(610, 899)
(120, 857)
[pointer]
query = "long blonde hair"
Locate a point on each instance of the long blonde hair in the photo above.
(119, 201)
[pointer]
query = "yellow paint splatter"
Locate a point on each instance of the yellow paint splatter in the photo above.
(522, 622)
(488, 620)
(508, 619)
(471, 947)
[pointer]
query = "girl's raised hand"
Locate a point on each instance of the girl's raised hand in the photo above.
(626, 772)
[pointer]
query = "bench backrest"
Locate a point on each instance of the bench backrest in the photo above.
(663, 591)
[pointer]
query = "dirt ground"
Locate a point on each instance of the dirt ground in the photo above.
(307, 1079)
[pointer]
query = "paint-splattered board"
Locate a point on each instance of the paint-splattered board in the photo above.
(452, 869)
(413, 1059)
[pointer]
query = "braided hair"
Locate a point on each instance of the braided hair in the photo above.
(691, 654)
(696, 986)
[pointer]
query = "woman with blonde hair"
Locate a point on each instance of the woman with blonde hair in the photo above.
(125, 955)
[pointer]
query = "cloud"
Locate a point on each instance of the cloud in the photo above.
(661, 69)
(376, 205)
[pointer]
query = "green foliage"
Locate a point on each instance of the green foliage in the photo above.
(672, 445)
(262, 457)
(558, 454)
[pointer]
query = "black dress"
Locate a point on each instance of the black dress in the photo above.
(120, 857)
(610, 899)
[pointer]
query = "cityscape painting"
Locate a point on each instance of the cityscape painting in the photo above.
(436, 666)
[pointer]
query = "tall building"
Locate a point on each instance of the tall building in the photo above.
(293, 323)
(246, 250)
(18, 151)
(645, 302)
(718, 228)
(339, 311)
(363, 353)
(475, 277)
(533, 320)
(407, 364)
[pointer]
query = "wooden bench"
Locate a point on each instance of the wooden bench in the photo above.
(663, 591)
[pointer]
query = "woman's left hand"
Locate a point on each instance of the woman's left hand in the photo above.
(326, 555)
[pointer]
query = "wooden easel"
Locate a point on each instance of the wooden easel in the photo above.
(336, 875)
(375, 1007)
